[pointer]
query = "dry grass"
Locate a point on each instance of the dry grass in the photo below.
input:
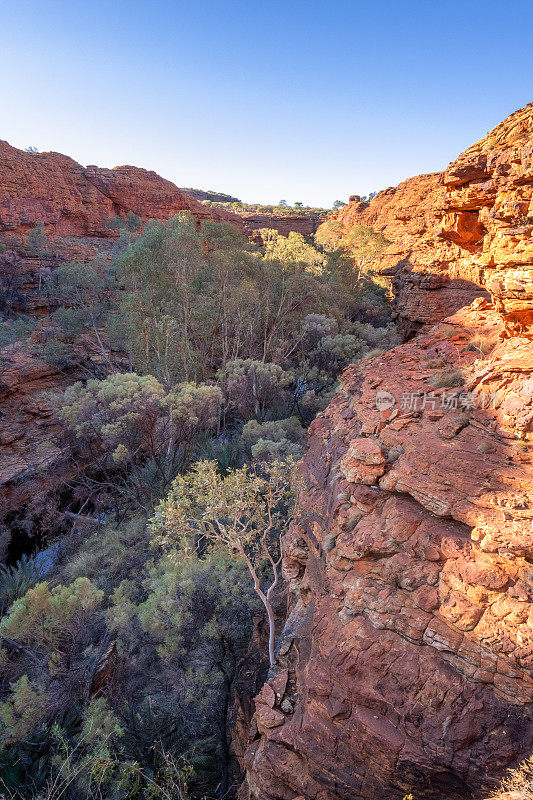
(447, 377)
(519, 780)
(484, 344)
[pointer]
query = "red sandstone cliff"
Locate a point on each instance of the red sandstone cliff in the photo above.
(455, 231)
(406, 663)
(299, 223)
(71, 200)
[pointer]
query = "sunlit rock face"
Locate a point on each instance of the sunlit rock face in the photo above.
(407, 658)
(284, 224)
(74, 204)
(75, 201)
(464, 230)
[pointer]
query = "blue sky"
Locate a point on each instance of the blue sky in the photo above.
(309, 101)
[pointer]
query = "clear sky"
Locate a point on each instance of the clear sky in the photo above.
(302, 100)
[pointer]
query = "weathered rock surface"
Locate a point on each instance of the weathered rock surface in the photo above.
(455, 233)
(406, 663)
(253, 223)
(31, 460)
(73, 201)
(408, 655)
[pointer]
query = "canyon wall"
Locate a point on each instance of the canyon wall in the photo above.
(74, 204)
(406, 661)
(75, 201)
(459, 230)
(283, 224)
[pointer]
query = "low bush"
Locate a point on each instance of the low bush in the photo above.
(449, 377)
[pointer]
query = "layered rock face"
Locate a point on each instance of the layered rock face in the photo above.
(32, 462)
(408, 654)
(74, 204)
(253, 223)
(456, 231)
(73, 201)
(406, 663)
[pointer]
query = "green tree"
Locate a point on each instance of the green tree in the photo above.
(198, 613)
(37, 247)
(86, 294)
(244, 512)
(184, 305)
(127, 421)
(255, 388)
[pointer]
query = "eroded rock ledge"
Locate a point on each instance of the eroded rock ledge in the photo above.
(406, 662)
(468, 227)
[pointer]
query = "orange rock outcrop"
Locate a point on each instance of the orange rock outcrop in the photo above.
(73, 201)
(454, 232)
(284, 224)
(406, 662)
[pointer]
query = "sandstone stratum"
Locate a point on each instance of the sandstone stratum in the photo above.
(456, 231)
(406, 661)
(75, 201)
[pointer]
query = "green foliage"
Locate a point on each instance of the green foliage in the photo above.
(184, 294)
(315, 327)
(281, 209)
(254, 387)
(234, 510)
(72, 321)
(60, 355)
(244, 512)
(49, 618)
(85, 292)
(37, 241)
(129, 420)
(16, 329)
(22, 712)
(196, 614)
(334, 353)
(16, 580)
(198, 297)
(110, 555)
(291, 250)
(273, 441)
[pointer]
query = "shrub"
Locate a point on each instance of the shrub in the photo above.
(484, 344)
(60, 354)
(255, 388)
(19, 328)
(273, 441)
(519, 780)
(132, 426)
(447, 378)
(16, 580)
(315, 327)
(335, 353)
(49, 618)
